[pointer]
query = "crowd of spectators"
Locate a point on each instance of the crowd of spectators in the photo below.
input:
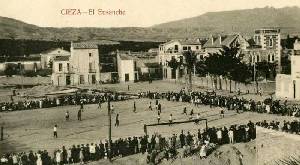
(155, 147)
(292, 127)
(74, 99)
(230, 102)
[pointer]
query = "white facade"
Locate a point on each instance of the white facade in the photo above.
(50, 55)
(288, 86)
(85, 65)
(81, 68)
(175, 49)
(127, 69)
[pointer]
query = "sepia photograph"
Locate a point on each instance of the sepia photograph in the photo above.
(150, 82)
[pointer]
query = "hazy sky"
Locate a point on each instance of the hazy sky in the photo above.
(141, 13)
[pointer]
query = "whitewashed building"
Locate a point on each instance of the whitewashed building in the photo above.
(83, 66)
(127, 68)
(175, 49)
(47, 57)
(288, 86)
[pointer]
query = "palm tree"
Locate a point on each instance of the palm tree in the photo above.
(190, 61)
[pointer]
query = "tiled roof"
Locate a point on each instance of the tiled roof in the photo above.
(93, 44)
(62, 58)
(184, 42)
(189, 42)
(53, 49)
(225, 41)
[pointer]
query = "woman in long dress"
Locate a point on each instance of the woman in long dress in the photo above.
(39, 160)
(203, 151)
(81, 157)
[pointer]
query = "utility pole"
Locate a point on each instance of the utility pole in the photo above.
(109, 129)
(254, 76)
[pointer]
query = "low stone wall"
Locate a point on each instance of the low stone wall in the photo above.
(224, 84)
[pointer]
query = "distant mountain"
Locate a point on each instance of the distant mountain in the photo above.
(243, 21)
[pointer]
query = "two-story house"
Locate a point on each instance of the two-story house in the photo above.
(127, 68)
(266, 47)
(83, 64)
(174, 49)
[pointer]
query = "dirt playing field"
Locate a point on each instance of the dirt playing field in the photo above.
(32, 129)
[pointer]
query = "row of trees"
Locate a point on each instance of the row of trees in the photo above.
(225, 64)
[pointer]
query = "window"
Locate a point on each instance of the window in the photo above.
(189, 48)
(270, 42)
(126, 77)
(68, 66)
(273, 57)
(90, 54)
(60, 67)
(184, 48)
(176, 48)
(197, 47)
(257, 58)
(81, 79)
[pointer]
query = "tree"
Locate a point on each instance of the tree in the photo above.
(173, 64)
(227, 63)
(266, 69)
(201, 67)
(190, 61)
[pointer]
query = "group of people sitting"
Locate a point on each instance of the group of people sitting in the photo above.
(75, 99)
(229, 102)
(156, 147)
(287, 126)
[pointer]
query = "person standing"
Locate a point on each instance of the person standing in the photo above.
(222, 113)
(81, 105)
(230, 134)
(99, 104)
(117, 121)
(184, 111)
(79, 115)
(219, 136)
(67, 115)
(55, 131)
(170, 119)
(159, 107)
(134, 107)
(197, 118)
(158, 118)
(150, 106)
